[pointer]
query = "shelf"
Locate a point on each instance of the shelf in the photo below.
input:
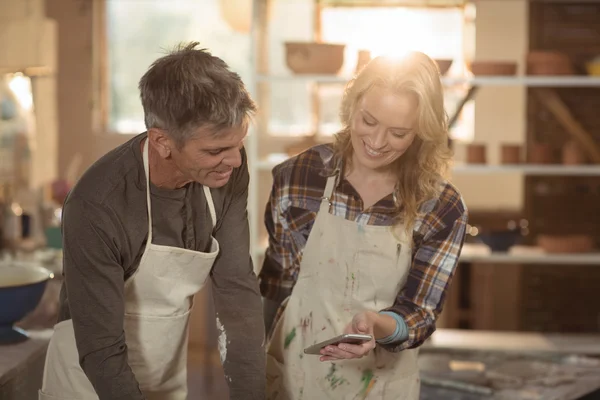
(394, 3)
(27, 71)
(511, 341)
(479, 253)
(302, 78)
(531, 81)
(527, 169)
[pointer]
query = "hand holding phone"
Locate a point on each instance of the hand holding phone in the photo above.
(350, 338)
(359, 340)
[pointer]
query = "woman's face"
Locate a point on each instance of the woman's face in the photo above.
(382, 128)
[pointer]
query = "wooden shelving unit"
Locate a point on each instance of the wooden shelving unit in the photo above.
(525, 169)
(27, 71)
(13, 178)
(513, 271)
(476, 253)
(263, 79)
(529, 81)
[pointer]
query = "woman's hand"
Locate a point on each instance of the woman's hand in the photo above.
(363, 323)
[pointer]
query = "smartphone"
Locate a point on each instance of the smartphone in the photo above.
(351, 338)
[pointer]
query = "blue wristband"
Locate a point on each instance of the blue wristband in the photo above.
(400, 333)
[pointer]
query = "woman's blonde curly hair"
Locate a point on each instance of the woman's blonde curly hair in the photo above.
(421, 168)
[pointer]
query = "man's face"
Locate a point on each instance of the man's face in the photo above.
(209, 157)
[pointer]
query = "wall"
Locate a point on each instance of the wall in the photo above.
(29, 39)
(499, 111)
(78, 143)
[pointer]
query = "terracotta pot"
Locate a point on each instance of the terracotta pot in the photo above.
(549, 63)
(546, 56)
(489, 68)
(314, 58)
(444, 65)
(572, 154)
(566, 243)
(541, 153)
(510, 154)
(476, 153)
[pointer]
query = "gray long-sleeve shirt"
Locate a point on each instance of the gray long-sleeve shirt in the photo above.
(105, 227)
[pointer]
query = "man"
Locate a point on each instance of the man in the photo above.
(144, 228)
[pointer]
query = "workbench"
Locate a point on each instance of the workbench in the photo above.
(21, 369)
(486, 365)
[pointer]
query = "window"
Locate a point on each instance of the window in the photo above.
(139, 32)
(16, 119)
(439, 32)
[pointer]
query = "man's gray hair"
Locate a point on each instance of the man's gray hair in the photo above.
(190, 88)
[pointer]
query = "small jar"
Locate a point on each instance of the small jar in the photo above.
(476, 153)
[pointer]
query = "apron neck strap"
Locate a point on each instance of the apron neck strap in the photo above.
(147, 173)
(330, 186)
(328, 192)
(211, 205)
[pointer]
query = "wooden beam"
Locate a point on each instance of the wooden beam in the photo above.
(550, 99)
(469, 96)
(27, 71)
(395, 3)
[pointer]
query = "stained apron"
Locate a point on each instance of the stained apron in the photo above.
(158, 300)
(346, 268)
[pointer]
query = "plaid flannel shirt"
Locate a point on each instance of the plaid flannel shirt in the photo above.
(298, 185)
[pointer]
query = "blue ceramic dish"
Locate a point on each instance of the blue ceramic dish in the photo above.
(501, 241)
(21, 288)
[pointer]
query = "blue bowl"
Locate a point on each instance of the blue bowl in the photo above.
(21, 288)
(500, 241)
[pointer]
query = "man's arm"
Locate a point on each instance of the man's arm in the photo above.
(237, 299)
(94, 281)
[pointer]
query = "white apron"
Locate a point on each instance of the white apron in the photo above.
(158, 301)
(345, 268)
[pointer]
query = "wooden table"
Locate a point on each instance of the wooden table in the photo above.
(22, 364)
(584, 344)
(21, 369)
(570, 361)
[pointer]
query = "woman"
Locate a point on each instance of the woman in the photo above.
(364, 237)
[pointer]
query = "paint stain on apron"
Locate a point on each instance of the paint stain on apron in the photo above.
(158, 301)
(346, 268)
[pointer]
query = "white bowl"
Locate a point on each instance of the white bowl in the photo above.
(22, 275)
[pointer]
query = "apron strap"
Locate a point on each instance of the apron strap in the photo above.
(211, 205)
(147, 173)
(329, 186)
(328, 192)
